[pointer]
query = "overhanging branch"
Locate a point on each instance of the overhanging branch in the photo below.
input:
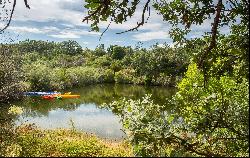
(142, 19)
(213, 39)
(11, 14)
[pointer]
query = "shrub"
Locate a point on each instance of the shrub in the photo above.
(124, 76)
(203, 121)
(39, 76)
(217, 114)
(11, 74)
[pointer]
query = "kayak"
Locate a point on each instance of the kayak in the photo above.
(40, 93)
(60, 96)
(48, 97)
(67, 96)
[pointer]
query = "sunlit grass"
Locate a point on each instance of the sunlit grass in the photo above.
(34, 142)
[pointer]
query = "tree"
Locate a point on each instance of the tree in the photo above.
(71, 47)
(11, 74)
(176, 12)
(117, 52)
(99, 50)
(209, 113)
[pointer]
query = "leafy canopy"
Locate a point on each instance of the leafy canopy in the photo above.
(175, 12)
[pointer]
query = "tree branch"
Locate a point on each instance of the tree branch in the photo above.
(92, 14)
(26, 4)
(11, 14)
(104, 4)
(235, 4)
(142, 19)
(213, 39)
(105, 30)
(190, 147)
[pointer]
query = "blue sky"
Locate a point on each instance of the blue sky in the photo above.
(59, 20)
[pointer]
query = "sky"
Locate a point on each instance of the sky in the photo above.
(60, 20)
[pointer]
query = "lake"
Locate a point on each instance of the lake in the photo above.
(85, 112)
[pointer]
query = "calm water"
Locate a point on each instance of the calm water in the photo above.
(85, 112)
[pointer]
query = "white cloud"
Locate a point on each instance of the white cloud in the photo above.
(68, 25)
(153, 35)
(117, 41)
(85, 42)
(2, 24)
(73, 33)
(69, 13)
(161, 45)
(50, 29)
(49, 10)
(54, 31)
(24, 29)
(65, 35)
(205, 26)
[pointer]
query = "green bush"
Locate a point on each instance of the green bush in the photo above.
(198, 121)
(217, 114)
(166, 80)
(11, 74)
(39, 76)
(140, 80)
(146, 125)
(124, 76)
(106, 76)
(82, 75)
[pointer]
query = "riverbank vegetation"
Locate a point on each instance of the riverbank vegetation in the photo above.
(43, 65)
(29, 141)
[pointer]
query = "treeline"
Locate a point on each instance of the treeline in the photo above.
(47, 65)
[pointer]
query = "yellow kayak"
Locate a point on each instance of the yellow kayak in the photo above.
(67, 96)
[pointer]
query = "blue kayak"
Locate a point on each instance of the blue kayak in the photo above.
(40, 93)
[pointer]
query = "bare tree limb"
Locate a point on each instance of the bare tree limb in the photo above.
(142, 19)
(235, 4)
(105, 30)
(11, 14)
(26, 4)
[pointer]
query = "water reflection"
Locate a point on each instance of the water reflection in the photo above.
(85, 111)
(86, 117)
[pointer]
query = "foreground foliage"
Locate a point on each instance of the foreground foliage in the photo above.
(211, 121)
(31, 141)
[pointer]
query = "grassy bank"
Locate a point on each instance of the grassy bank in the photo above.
(34, 142)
